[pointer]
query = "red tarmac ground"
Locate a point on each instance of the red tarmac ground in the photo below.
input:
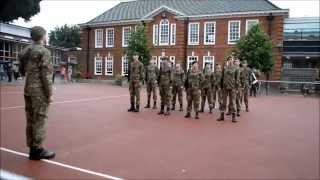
(89, 128)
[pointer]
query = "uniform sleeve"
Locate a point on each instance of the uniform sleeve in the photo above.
(183, 76)
(46, 69)
(141, 72)
(237, 79)
(23, 58)
(146, 75)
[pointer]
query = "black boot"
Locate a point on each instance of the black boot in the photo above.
(188, 115)
(211, 107)
(197, 115)
(154, 105)
(131, 108)
(181, 107)
(137, 108)
(201, 110)
(37, 154)
(173, 107)
(148, 104)
(234, 118)
(238, 113)
(167, 112)
(221, 118)
(247, 109)
(161, 110)
(228, 113)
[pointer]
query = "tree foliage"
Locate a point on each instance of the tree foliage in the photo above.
(65, 36)
(13, 9)
(138, 43)
(256, 48)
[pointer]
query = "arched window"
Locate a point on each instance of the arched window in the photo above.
(164, 32)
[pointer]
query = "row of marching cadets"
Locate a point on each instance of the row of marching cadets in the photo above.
(232, 82)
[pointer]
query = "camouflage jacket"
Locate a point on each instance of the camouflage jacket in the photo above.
(230, 77)
(165, 74)
(151, 73)
(178, 77)
(136, 70)
(194, 79)
(207, 79)
(36, 62)
(246, 77)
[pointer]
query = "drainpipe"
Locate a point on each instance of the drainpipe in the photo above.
(270, 19)
(186, 42)
(88, 48)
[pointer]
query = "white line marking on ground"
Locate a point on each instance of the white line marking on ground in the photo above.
(65, 165)
(70, 101)
(9, 175)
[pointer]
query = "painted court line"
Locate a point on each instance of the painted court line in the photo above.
(65, 165)
(71, 101)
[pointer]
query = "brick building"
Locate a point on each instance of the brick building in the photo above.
(184, 30)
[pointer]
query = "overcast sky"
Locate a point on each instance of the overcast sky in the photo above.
(59, 12)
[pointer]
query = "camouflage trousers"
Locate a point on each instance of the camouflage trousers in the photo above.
(239, 99)
(177, 90)
(36, 108)
(152, 88)
(245, 95)
(165, 93)
(216, 94)
(193, 98)
(231, 93)
(206, 94)
(134, 88)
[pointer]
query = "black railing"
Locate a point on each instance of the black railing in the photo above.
(302, 34)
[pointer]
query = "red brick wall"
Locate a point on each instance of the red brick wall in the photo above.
(218, 50)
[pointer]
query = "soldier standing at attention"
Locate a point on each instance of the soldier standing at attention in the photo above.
(193, 82)
(246, 79)
(165, 80)
(35, 62)
(177, 86)
(206, 88)
(151, 76)
(216, 83)
(229, 86)
(136, 76)
(239, 87)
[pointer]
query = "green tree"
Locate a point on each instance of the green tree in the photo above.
(65, 36)
(138, 43)
(256, 48)
(13, 9)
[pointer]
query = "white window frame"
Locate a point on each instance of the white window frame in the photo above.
(173, 60)
(250, 20)
(124, 58)
(173, 33)
(161, 33)
(110, 60)
(96, 45)
(205, 33)
(107, 37)
(204, 61)
(97, 60)
(155, 39)
(125, 43)
(231, 41)
(189, 61)
(189, 34)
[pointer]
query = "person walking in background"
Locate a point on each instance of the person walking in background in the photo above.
(9, 72)
(177, 86)
(246, 80)
(206, 88)
(151, 75)
(15, 72)
(2, 72)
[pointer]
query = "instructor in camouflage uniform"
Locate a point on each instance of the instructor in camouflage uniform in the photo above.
(177, 86)
(136, 76)
(165, 80)
(246, 80)
(36, 64)
(206, 88)
(230, 82)
(193, 82)
(216, 85)
(151, 76)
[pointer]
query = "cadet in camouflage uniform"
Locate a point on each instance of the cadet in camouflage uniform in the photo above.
(230, 82)
(239, 88)
(165, 80)
(206, 88)
(193, 82)
(136, 76)
(151, 76)
(216, 83)
(177, 86)
(36, 64)
(246, 80)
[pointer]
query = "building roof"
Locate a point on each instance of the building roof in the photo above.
(143, 9)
